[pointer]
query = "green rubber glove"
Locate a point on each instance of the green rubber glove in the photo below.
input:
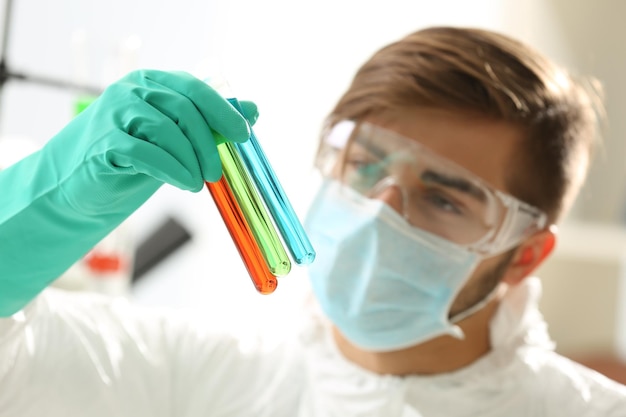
(147, 129)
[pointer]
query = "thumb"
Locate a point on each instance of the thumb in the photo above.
(250, 111)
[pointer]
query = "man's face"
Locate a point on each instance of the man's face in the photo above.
(483, 146)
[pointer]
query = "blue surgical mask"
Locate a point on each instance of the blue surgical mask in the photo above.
(385, 284)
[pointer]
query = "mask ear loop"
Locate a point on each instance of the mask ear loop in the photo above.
(476, 307)
(494, 236)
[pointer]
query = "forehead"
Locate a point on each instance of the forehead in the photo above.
(483, 146)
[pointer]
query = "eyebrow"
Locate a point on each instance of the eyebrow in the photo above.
(428, 175)
(454, 182)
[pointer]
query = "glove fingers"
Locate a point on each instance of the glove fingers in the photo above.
(218, 113)
(193, 135)
(143, 157)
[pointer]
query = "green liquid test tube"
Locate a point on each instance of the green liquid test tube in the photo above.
(253, 209)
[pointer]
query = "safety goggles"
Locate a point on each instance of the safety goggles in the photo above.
(435, 194)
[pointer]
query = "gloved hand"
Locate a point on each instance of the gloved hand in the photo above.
(147, 129)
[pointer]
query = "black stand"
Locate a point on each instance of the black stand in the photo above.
(7, 74)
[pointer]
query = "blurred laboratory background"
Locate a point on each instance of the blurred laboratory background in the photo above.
(294, 59)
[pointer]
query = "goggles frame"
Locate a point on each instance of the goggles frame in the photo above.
(519, 220)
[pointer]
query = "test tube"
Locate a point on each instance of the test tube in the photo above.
(274, 196)
(264, 281)
(254, 211)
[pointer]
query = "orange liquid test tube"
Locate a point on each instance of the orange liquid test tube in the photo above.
(264, 281)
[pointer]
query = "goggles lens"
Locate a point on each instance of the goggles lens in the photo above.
(434, 193)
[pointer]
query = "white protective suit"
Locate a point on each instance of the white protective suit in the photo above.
(70, 354)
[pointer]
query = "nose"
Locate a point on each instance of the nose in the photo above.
(389, 192)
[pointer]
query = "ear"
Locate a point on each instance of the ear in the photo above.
(529, 255)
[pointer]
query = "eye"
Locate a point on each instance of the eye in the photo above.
(441, 202)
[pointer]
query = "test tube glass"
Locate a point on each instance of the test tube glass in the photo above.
(276, 200)
(264, 281)
(254, 211)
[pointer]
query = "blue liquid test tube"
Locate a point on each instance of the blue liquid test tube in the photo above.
(274, 196)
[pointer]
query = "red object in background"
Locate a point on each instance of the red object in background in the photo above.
(103, 263)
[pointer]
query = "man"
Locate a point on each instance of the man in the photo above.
(447, 163)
